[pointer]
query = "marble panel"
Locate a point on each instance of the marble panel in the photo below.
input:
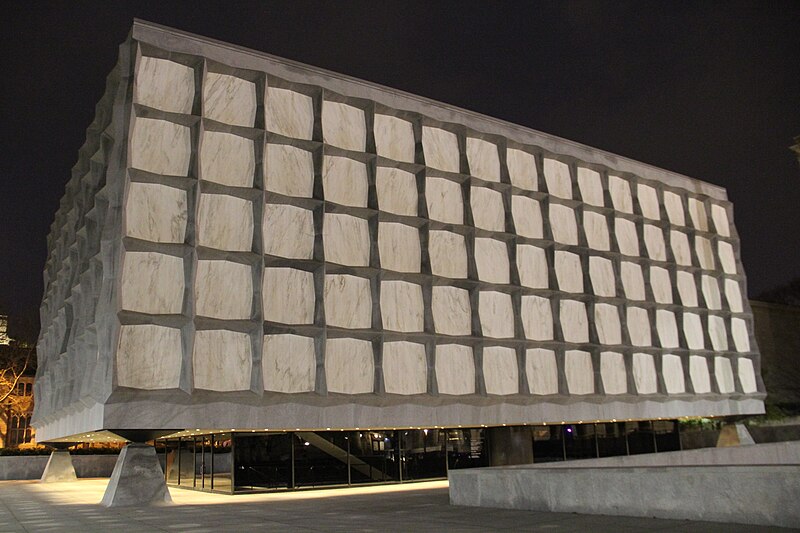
(595, 227)
(648, 201)
(491, 259)
(527, 214)
(152, 283)
(345, 181)
(726, 257)
(711, 294)
(562, 224)
(532, 266)
(455, 369)
(590, 186)
(606, 322)
(223, 289)
(574, 322)
(601, 272)
(620, 191)
(290, 113)
(542, 371)
(639, 326)
(693, 331)
(229, 99)
(705, 253)
(747, 375)
(734, 295)
(724, 375)
(155, 212)
(222, 360)
(568, 271)
(149, 357)
(405, 368)
(227, 159)
(289, 170)
(487, 209)
(644, 373)
(674, 207)
(448, 254)
(346, 239)
(399, 247)
(483, 159)
(160, 147)
(288, 295)
(632, 280)
(697, 213)
(720, 217)
(225, 222)
(537, 318)
(667, 329)
(661, 285)
(444, 200)
(289, 363)
(348, 301)
(288, 231)
(496, 314)
(741, 337)
(452, 313)
(522, 169)
(654, 242)
(698, 372)
(441, 149)
(672, 370)
(679, 242)
(394, 138)
(558, 179)
(613, 373)
(718, 333)
(627, 239)
(344, 126)
(500, 372)
(349, 366)
(397, 191)
(164, 84)
(687, 288)
(402, 308)
(579, 372)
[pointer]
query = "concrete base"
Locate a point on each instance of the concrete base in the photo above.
(59, 468)
(137, 479)
(734, 435)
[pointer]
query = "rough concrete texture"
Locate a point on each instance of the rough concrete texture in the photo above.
(59, 468)
(137, 479)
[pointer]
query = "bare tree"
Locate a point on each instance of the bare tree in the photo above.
(16, 360)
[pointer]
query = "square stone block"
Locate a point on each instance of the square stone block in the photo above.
(288, 231)
(441, 149)
(718, 333)
(527, 216)
(229, 99)
(687, 288)
(452, 313)
(674, 207)
(697, 212)
(222, 360)
(149, 357)
(574, 322)
(661, 285)
(227, 159)
(444, 200)
(579, 372)
(399, 247)
(491, 259)
(160, 147)
(522, 169)
(344, 126)
(448, 254)
(747, 375)
(620, 191)
(644, 373)
(632, 280)
(562, 224)
(639, 326)
(542, 371)
(394, 138)
(288, 295)
(496, 314)
(397, 191)
(648, 201)
(152, 283)
(225, 222)
(537, 318)
(223, 289)
(568, 271)
(693, 331)
(734, 295)
(164, 84)
(595, 226)
(455, 369)
(590, 186)
(289, 170)
(346, 239)
(405, 368)
(348, 301)
(344, 181)
(724, 375)
(721, 223)
(607, 325)
(156, 213)
(741, 337)
(557, 178)
(705, 253)
(726, 257)
(500, 372)
(487, 209)
(349, 366)
(290, 113)
(288, 363)
(711, 292)
(532, 266)
(601, 272)
(627, 239)
(484, 162)
(672, 370)
(667, 329)
(654, 242)
(613, 373)
(698, 372)
(401, 306)
(679, 242)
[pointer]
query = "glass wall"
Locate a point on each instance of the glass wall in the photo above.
(548, 444)
(611, 439)
(423, 454)
(466, 448)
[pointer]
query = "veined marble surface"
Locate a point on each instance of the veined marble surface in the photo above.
(288, 295)
(399, 247)
(698, 372)
(661, 285)
(229, 99)
(639, 329)
(718, 333)
(579, 372)
(160, 147)
(222, 360)
(711, 293)
(527, 215)
(344, 126)
(452, 313)
(288, 363)
(741, 338)
(152, 283)
(448, 254)
(344, 181)
(164, 84)
(590, 186)
(225, 222)
(568, 271)
(563, 225)
(484, 162)
(747, 375)
(693, 331)
(672, 370)
(289, 170)
(601, 272)
(654, 242)
(491, 259)
(288, 231)
(667, 328)
(644, 373)
(348, 301)
(674, 208)
(687, 289)
(679, 242)
(402, 308)
(522, 169)
(537, 318)
(542, 371)
(397, 191)
(595, 226)
(724, 374)
(532, 266)
(149, 357)
(444, 200)
(394, 138)
(733, 295)
(290, 113)
(558, 179)
(441, 149)
(500, 372)
(705, 253)
(721, 223)
(405, 368)
(632, 280)
(697, 214)
(726, 257)
(496, 314)
(156, 213)
(613, 374)
(574, 322)
(227, 159)
(627, 240)
(648, 201)
(455, 369)
(606, 322)
(349, 366)
(487, 209)
(620, 191)
(223, 289)
(346, 239)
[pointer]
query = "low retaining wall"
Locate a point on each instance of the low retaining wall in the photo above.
(32, 466)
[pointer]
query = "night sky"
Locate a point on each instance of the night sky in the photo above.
(710, 90)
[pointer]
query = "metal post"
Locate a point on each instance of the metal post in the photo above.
(291, 435)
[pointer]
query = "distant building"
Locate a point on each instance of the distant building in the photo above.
(15, 415)
(5, 340)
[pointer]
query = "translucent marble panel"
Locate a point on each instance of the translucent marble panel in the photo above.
(693, 331)
(532, 266)
(164, 85)
(227, 159)
(288, 231)
(149, 357)
(648, 201)
(401, 306)
(290, 113)
(654, 242)
(229, 99)
(344, 126)
(405, 368)
(606, 322)
(152, 283)
(491, 260)
(734, 295)
(444, 200)
(620, 192)
(222, 360)
(225, 223)
(601, 272)
(487, 209)
(160, 147)
(441, 149)
(223, 289)
(346, 239)
(613, 374)
(289, 170)
(720, 217)
(639, 326)
(344, 181)
(349, 366)
(687, 289)
(568, 271)
(724, 375)
(452, 313)
(455, 369)
(500, 372)
(672, 371)
(741, 337)
(697, 212)
(448, 254)
(522, 169)
(674, 207)
(348, 301)
(579, 372)
(726, 257)
(496, 314)
(394, 138)
(537, 318)
(574, 322)
(667, 329)
(644, 373)
(527, 216)
(399, 247)
(557, 178)
(590, 186)
(542, 371)
(705, 253)
(718, 333)
(397, 191)
(632, 280)
(711, 292)
(288, 295)
(747, 375)
(484, 162)
(562, 224)
(627, 239)
(661, 285)
(595, 226)
(156, 212)
(288, 363)
(679, 242)
(698, 372)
